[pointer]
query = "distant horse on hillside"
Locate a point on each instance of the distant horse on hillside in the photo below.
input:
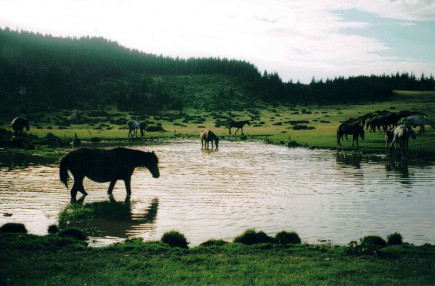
(401, 135)
(18, 125)
(238, 125)
(418, 121)
(355, 129)
(102, 165)
(206, 137)
(142, 126)
(133, 126)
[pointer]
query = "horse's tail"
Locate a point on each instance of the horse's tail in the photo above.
(63, 170)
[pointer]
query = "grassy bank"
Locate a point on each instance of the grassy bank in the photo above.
(274, 124)
(51, 260)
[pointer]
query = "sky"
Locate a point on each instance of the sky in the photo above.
(298, 39)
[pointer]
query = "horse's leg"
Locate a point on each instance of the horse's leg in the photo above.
(127, 182)
(111, 186)
(78, 186)
(82, 188)
(237, 130)
(229, 130)
(242, 130)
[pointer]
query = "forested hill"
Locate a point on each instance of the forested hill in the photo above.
(69, 71)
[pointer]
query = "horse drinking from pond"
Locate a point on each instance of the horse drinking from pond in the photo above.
(401, 136)
(206, 137)
(133, 126)
(238, 125)
(102, 165)
(355, 129)
(18, 125)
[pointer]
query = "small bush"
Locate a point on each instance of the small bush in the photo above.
(213, 242)
(369, 245)
(73, 233)
(284, 237)
(174, 239)
(394, 239)
(53, 229)
(13, 227)
(250, 237)
(375, 240)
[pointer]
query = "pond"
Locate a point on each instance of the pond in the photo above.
(323, 195)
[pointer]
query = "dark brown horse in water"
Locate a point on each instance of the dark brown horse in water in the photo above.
(207, 136)
(355, 129)
(105, 166)
(18, 125)
(238, 125)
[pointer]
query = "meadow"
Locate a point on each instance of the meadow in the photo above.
(53, 260)
(313, 126)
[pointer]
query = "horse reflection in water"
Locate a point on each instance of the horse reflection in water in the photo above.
(105, 166)
(107, 218)
(349, 159)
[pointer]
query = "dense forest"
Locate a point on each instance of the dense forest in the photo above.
(65, 72)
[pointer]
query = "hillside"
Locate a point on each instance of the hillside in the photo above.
(39, 72)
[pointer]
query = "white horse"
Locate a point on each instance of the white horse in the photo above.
(418, 121)
(401, 136)
(133, 126)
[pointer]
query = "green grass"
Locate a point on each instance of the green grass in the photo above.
(48, 260)
(324, 119)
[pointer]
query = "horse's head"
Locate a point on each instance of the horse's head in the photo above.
(249, 123)
(152, 163)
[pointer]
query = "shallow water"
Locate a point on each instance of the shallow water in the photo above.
(322, 195)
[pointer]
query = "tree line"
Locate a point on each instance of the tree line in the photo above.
(62, 71)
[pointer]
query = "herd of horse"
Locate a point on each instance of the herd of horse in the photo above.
(119, 163)
(396, 126)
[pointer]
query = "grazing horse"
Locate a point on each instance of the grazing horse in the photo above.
(401, 135)
(142, 126)
(238, 125)
(373, 124)
(102, 165)
(18, 125)
(206, 137)
(354, 129)
(133, 126)
(418, 121)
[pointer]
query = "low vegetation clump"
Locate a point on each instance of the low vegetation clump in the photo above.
(394, 239)
(13, 227)
(368, 245)
(175, 239)
(53, 229)
(213, 242)
(250, 237)
(284, 237)
(73, 233)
